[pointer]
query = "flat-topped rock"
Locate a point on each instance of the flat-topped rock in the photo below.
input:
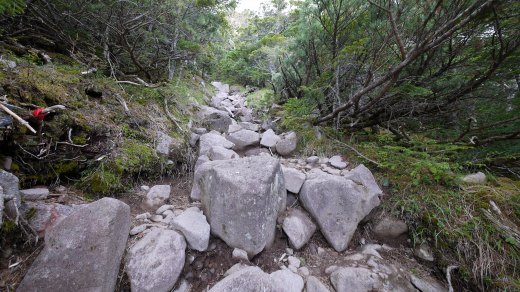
(298, 227)
(158, 195)
(82, 252)
(244, 138)
(35, 194)
(294, 179)
(212, 139)
(193, 225)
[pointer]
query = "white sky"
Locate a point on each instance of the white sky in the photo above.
(253, 5)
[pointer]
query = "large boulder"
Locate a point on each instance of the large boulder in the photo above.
(212, 139)
(156, 261)
(82, 252)
(298, 227)
(337, 204)
(242, 199)
(193, 225)
(287, 144)
(244, 138)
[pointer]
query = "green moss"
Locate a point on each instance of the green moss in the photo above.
(66, 167)
(101, 181)
(136, 157)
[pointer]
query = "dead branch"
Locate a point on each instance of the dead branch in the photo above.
(22, 121)
(170, 116)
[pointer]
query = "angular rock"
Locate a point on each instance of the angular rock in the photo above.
(158, 195)
(82, 252)
(337, 162)
(475, 179)
(213, 139)
(194, 227)
(156, 261)
(41, 217)
(269, 139)
(424, 252)
(294, 179)
(363, 176)
(199, 131)
(287, 281)
(9, 183)
(139, 229)
(166, 144)
(315, 285)
(194, 138)
(244, 138)
(287, 145)
(298, 227)
(356, 279)
(214, 119)
(390, 228)
(201, 160)
(337, 204)
(35, 194)
(234, 128)
(242, 199)
(221, 153)
(249, 126)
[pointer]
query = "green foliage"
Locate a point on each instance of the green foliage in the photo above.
(12, 7)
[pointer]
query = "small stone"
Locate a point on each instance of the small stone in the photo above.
(143, 216)
(424, 252)
(294, 179)
(194, 138)
(298, 227)
(294, 261)
(145, 188)
(35, 194)
(138, 229)
(193, 225)
(157, 218)
(164, 208)
(289, 251)
(321, 251)
(331, 269)
(313, 160)
(158, 195)
(240, 254)
(390, 228)
(475, 179)
(269, 139)
(304, 272)
(287, 145)
(338, 162)
(200, 131)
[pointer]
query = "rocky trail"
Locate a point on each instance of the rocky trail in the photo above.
(255, 217)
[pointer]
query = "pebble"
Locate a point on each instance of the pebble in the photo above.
(138, 229)
(143, 216)
(294, 262)
(240, 254)
(289, 251)
(157, 218)
(145, 188)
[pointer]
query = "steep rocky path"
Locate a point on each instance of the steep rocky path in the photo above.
(256, 218)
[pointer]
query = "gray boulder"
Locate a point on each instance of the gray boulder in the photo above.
(213, 139)
(242, 199)
(201, 160)
(156, 261)
(158, 195)
(269, 139)
(194, 139)
(287, 145)
(244, 138)
(298, 227)
(234, 128)
(315, 285)
(390, 228)
(35, 194)
(221, 153)
(194, 227)
(337, 204)
(214, 119)
(294, 179)
(427, 285)
(82, 252)
(9, 183)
